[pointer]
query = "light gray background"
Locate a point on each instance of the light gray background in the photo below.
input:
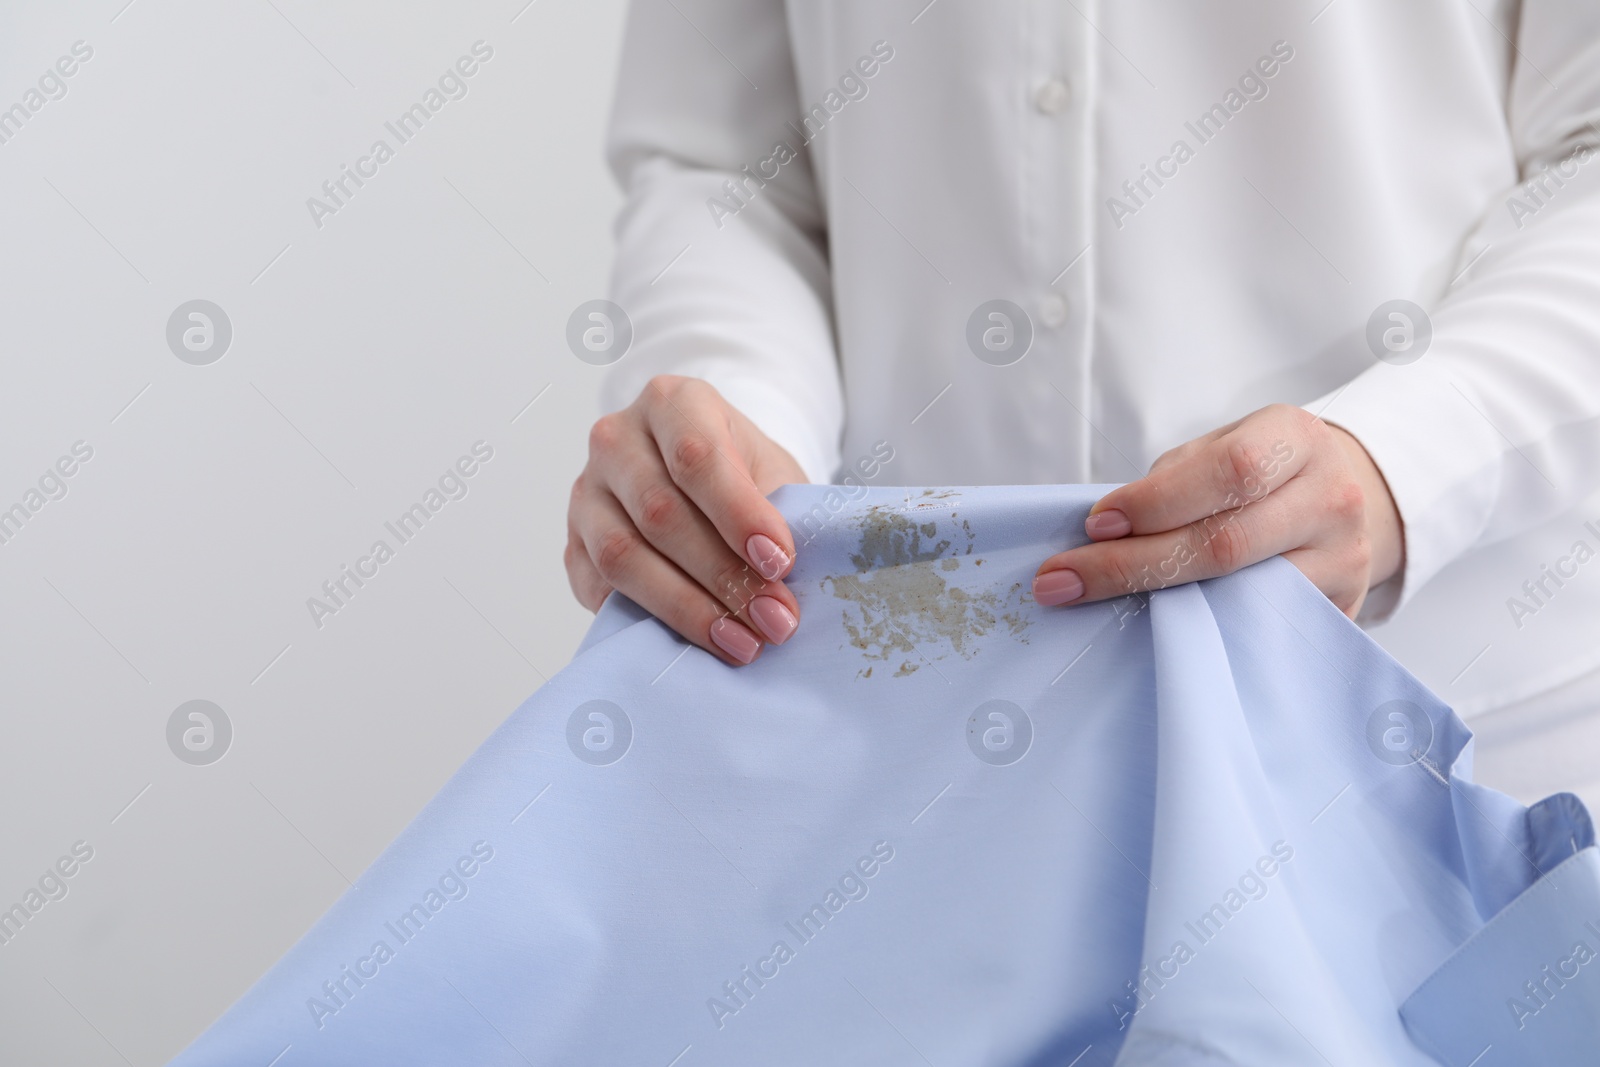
(365, 359)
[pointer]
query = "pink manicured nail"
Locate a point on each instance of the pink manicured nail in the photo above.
(774, 620)
(1057, 587)
(735, 640)
(1107, 525)
(769, 560)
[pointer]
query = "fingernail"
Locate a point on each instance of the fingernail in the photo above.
(735, 640)
(1053, 588)
(769, 560)
(774, 620)
(1108, 524)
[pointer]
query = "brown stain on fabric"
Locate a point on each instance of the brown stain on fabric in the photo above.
(899, 603)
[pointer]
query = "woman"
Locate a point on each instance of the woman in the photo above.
(1321, 281)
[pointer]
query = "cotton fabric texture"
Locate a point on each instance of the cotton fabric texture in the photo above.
(1217, 825)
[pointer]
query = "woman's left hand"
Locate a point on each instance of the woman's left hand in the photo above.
(1279, 481)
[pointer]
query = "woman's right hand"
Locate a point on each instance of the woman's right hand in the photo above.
(671, 512)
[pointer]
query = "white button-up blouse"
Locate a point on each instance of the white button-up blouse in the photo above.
(1011, 241)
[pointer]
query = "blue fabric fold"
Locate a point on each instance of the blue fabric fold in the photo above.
(1526, 988)
(1212, 824)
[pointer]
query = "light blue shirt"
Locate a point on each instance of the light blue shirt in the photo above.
(1214, 825)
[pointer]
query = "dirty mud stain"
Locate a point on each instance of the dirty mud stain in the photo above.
(929, 500)
(889, 539)
(898, 603)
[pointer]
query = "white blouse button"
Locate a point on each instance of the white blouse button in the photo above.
(1052, 97)
(1053, 310)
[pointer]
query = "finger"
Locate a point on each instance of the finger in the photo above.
(590, 589)
(1244, 464)
(587, 585)
(629, 564)
(681, 532)
(626, 464)
(689, 422)
(1214, 546)
(1189, 448)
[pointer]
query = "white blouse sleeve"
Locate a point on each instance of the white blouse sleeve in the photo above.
(1496, 427)
(721, 267)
